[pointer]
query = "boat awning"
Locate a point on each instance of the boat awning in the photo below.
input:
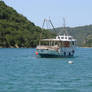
(57, 40)
(50, 40)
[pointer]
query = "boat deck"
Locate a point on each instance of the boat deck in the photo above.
(48, 47)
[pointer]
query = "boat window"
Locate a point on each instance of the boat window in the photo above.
(52, 43)
(73, 43)
(45, 43)
(66, 44)
(56, 43)
(70, 38)
(58, 37)
(65, 37)
(62, 37)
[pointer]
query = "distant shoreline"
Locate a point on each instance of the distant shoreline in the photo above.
(84, 47)
(35, 47)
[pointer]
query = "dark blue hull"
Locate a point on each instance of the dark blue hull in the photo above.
(53, 56)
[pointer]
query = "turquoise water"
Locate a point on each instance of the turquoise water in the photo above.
(22, 71)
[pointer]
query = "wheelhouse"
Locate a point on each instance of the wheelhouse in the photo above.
(60, 41)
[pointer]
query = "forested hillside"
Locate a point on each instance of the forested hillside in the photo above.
(17, 31)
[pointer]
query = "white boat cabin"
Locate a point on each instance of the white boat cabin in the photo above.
(60, 41)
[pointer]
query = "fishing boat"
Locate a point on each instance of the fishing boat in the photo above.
(61, 46)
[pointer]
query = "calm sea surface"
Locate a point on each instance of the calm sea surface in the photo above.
(22, 71)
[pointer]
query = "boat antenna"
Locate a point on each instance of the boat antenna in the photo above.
(43, 23)
(64, 25)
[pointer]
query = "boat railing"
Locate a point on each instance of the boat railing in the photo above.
(56, 47)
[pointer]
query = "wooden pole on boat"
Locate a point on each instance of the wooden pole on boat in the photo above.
(52, 24)
(41, 31)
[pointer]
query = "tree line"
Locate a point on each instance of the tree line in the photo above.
(17, 31)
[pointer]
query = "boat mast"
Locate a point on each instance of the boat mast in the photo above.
(45, 22)
(64, 25)
(52, 24)
(41, 31)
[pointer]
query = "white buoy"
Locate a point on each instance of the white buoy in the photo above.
(70, 62)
